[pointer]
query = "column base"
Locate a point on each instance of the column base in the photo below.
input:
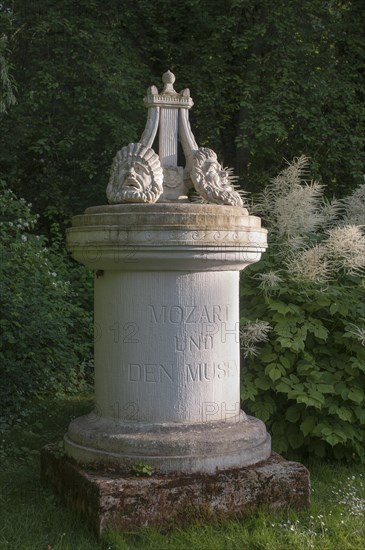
(109, 501)
(168, 447)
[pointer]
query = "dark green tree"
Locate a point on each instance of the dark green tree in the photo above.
(269, 81)
(7, 84)
(78, 101)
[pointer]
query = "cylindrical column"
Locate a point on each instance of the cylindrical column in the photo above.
(167, 346)
(167, 382)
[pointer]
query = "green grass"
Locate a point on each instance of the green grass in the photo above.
(33, 518)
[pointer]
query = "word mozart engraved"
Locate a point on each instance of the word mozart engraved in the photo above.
(189, 314)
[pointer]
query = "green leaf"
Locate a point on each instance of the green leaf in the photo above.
(264, 410)
(280, 307)
(356, 394)
(283, 387)
(268, 357)
(344, 414)
(295, 439)
(274, 371)
(318, 329)
(262, 384)
(325, 388)
(308, 425)
(293, 413)
(336, 436)
(285, 362)
(360, 414)
(311, 400)
(304, 368)
(357, 364)
(285, 342)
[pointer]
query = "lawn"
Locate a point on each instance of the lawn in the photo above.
(33, 518)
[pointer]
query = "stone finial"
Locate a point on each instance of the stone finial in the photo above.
(168, 80)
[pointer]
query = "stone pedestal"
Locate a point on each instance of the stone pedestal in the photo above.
(167, 337)
(110, 500)
(167, 368)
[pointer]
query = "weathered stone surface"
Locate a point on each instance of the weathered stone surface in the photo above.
(169, 447)
(167, 342)
(110, 500)
(166, 237)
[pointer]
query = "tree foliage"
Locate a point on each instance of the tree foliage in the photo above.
(269, 80)
(76, 104)
(46, 330)
(7, 84)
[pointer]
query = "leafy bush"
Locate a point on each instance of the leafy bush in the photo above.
(307, 380)
(46, 334)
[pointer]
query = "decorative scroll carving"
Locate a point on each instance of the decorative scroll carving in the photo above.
(213, 182)
(136, 175)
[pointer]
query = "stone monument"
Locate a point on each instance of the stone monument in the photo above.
(167, 357)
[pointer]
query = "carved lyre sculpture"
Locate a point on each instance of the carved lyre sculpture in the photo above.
(140, 175)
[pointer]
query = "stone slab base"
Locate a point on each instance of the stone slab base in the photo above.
(110, 500)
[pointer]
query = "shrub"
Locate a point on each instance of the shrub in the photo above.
(46, 336)
(307, 380)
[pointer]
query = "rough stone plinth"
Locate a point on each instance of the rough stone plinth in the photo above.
(110, 500)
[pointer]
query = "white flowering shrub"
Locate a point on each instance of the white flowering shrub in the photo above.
(45, 333)
(306, 379)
